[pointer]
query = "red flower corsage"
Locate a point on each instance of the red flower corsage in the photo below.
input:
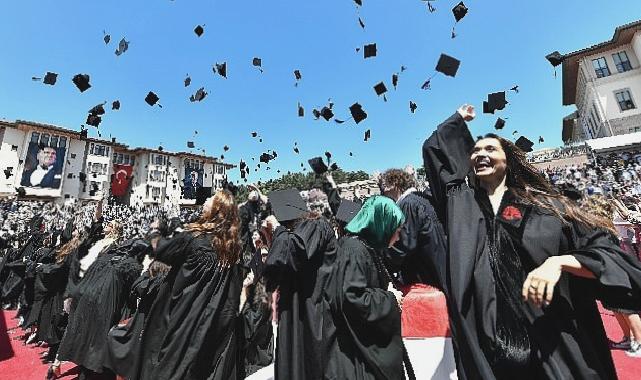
(511, 213)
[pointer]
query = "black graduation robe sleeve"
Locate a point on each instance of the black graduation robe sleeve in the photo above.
(283, 257)
(446, 157)
(173, 251)
(333, 198)
(618, 273)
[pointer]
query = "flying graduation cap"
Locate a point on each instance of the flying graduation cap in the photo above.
(369, 51)
(257, 62)
(123, 46)
(500, 123)
(199, 30)
(446, 65)
(199, 95)
(495, 102)
(357, 113)
(115, 105)
(413, 107)
(287, 205)
(301, 111)
(187, 80)
(380, 89)
(82, 82)
(459, 11)
(524, 144)
(221, 69)
(298, 77)
(50, 78)
(190, 144)
(106, 37)
(368, 135)
(152, 99)
(555, 59)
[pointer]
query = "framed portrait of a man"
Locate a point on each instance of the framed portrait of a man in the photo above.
(43, 166)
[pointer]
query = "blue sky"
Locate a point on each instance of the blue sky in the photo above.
(500, 44)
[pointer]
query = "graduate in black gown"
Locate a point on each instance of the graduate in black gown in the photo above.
(367, 343)
(525, 264)
(420, 253)
(191, 327)
(97, 305)
(299, 264)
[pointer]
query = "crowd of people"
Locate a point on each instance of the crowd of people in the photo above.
(521, 256)
(558, 153)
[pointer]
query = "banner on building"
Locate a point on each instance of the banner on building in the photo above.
(120, 180)
(43, 166)
(202, 195)
(192, 182)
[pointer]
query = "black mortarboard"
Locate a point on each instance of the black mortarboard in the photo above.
(359, 2)
(316, 113)
(555, 58)
(50, 78)
(369, 51)
(199, 95)
(448, 65)
(254, 134)
(327, 113)
(265, 158)
(115, 105)
(347, 210)
(524, 144)
(83, 133)
(81, 81)
(222, 69)
(123, 45)
(500, 123)
(394, 80)
(460, 10)
(361, 23)
(328, 155)
(357, 113)
(486, 108)
(225, 148)
(541, 139)
(318, 165)
(190, 144)
(257, 62)
(98, 110)
(151, 98)
(380, 88)
(301, 111)
(106, 38)
(296, 150)
(287, 205)
(199, 30)
(187, 81)
(297, 75)
(368, 135)
(413, 106)
(496, 100)
(93, 120)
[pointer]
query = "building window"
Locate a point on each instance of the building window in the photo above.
(625, 100)
(622, 62)
(44, 139)
(62, 142)
(601, 67)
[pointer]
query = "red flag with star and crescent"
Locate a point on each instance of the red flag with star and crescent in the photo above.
(120, 179)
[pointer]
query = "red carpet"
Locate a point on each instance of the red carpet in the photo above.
(26, 365)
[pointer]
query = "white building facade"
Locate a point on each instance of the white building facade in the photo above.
(604, 82)
(54, 163)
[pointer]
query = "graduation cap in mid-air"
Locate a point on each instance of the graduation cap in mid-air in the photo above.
(257, 62)
(301, 111)
(318, 165)
(380, 89)
(190, 144)
(8, 172)
(221, 69)
(448, 65)
(82, 82)
(555, 60)
(327, 113)
(187, 80)
(369, 51)
(123, 46)
(413, 107)
(50, 78)
(115, 105)
(357, 112)
(287, 205)
(199, 30)
(199, 95)
(541, 140)
(495, 102)
(368, 135)
(106, 37)
(524, 144)
(298, 77)
(459, 11)
(500, 123)
(152, 99)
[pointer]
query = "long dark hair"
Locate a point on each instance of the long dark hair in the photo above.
(529, 186)
(222, 224)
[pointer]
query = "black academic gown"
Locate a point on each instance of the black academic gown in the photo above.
(419, 255)
(51, 282)
(96, 306)
(256, 347)
(191, 327)
(299, 264)
(123, 342)
(367, 343)
(568, 338)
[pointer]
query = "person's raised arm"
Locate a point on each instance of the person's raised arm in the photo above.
(446, 154)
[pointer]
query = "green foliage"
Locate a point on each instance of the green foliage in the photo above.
(306, 181)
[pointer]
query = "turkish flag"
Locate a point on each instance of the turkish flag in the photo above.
(120, 180)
